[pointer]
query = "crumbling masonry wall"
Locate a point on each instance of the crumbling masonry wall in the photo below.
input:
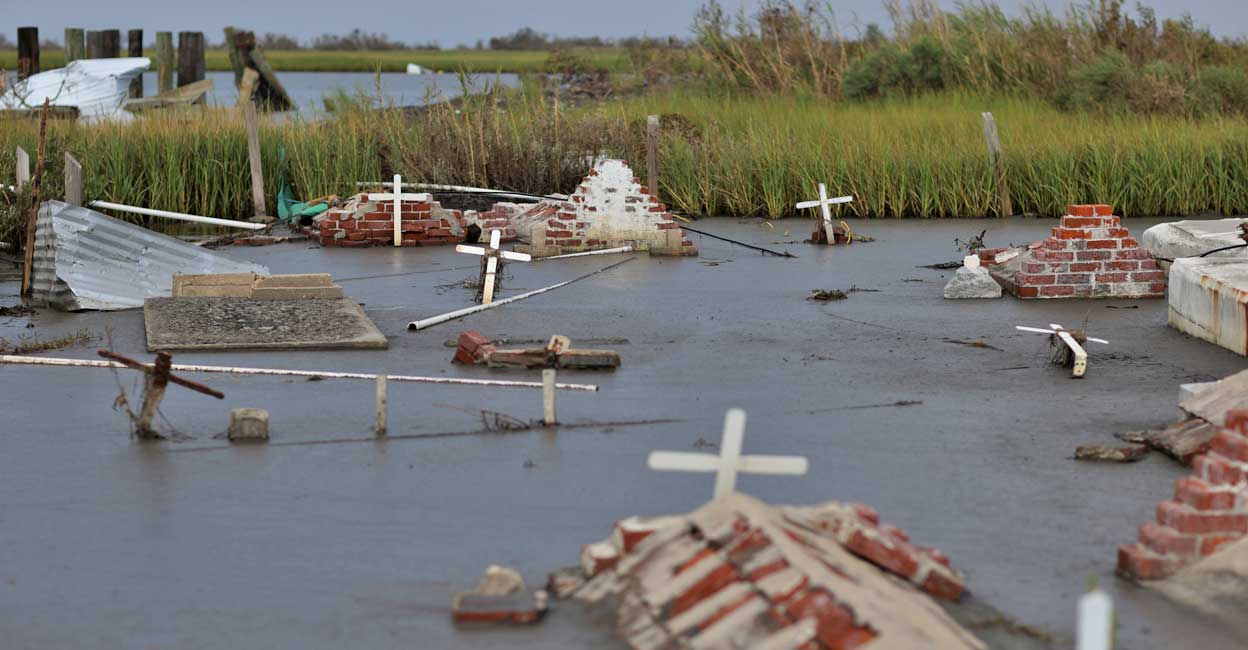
(362, 223)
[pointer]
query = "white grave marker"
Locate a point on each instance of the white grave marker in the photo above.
(491, 263)
(825, 203)
(1081, 355)
(398, 197)
(1095, 626)
(729, 462)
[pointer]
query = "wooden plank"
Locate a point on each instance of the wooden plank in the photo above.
(135, 42)
(22, 172)
(247, 87)
(164, 62)
(253, 158)
(29, 261)
(186, 95)
(1183, 440)
(190, 57)
(73, 180)
(1005, 206)
(1213, 403)
(75, 45)
(27, 51)
(652, 154)
(274, 94)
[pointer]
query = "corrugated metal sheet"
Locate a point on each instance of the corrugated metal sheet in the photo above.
(97, 87)
(88, 260)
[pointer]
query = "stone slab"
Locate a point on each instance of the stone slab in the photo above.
(297, 293)
(1209, 300)
(249, 424)
(1192, 237)
(294, 280)
(972, 282)
(248, 324)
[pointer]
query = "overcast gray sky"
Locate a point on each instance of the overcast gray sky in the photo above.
(457, 22)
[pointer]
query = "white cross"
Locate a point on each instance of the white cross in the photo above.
(825, 203)
(1095, 629)
(1081, 355)
(398, 197)
(729, 462)
(491, 263)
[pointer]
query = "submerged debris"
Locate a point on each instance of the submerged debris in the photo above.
(499, 598)
(16, 311)
(826, 295)
(1111, 454)
(30, 344)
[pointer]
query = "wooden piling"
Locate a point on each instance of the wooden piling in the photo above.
(27, 51)
(75, 47)
(1005, 206)
(22, 172)
(73, 180)
(157, 381)
(549, 417)
(110, 44)
(164, 62)
(652, 154)
(134, 39)
(236, 61)
(32, 218)
(380, 428)
(95, 44)
(253, 158)
(190, 57)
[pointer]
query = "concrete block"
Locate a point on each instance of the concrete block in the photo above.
(212, 291)
(204, 285)
(1209, 300)
(249, 424)
(300, 280)
(1188, 391)
(298, 293)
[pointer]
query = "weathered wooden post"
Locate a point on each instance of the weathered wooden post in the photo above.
(164, 62)
(73, 180)
(549, 418)
(110, 44)
(652, 154)
(998, 164)
(74, 45)
(236, 61)
(95, 44)
(135, 38)
(157, 379)
(253, 158)
(190, 57)
(22, 172)
(380, 428)
(27, 51)
(29, 260)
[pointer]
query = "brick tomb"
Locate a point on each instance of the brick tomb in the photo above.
(1089, 255)
(361, 222)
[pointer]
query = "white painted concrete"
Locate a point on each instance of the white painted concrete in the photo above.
(1209, 300)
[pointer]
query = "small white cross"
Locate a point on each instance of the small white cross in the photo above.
(491, 263)
(729, 462)
(825, 203)
(1081, 355)
(398, 197)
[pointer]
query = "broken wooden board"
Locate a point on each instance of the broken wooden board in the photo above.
(1181, 441)
(258, 324)
(1213, 403)
(188, 95)
(571, 359)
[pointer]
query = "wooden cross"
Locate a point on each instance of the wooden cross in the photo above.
(158, 378)
(1080, 355)
(729, 462)
(492, 257)
(558, 353)
(398, 197)
(826, 233)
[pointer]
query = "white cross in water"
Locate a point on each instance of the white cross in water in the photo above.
(1095, 627)
(398, 197)
(1081, 355)
(825, 203)
(491, 263)
(729, 462)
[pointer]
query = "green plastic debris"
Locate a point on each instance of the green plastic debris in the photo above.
(292, 211)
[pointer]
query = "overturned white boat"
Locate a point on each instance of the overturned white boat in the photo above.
(98, 88)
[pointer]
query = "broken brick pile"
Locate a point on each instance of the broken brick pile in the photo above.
(1209, 509)
(1089, 255)
(609, 209)
(361, 222)
(740, 573)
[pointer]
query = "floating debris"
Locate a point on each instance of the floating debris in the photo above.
(826, 295)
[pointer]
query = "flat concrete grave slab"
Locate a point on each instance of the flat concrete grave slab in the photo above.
(258, 324)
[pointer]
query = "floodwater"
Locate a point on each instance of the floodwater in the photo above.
(110, 543)
(309, 89)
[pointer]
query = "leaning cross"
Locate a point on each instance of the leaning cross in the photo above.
(826, 204)
(729, 462)
(154, 387)
(398, 197)
(1079, 355)
(492, 255)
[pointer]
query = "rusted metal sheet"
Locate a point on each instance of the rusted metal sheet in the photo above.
(87, 260)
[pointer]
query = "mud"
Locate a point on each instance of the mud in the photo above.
(112, 543)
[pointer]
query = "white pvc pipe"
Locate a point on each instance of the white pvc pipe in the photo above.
(179, 367)
(434, 320)
(178, 215)
(605, 251)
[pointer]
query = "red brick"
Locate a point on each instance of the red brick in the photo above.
(1122, 266)
(1130, 242)
(1082, 210)
(1148, 276)
(1085, 267)
(1070, 233)
(1231, 445)
(940, 585)
(1027, 292)
(1186, 519)
(1054, 244)
(356, 236)
(1055, 256)
(347, 243)
(1209, 544)
(1112, 277)
(1137, 562)
(1103, 210)
(712, 582)
(1164, 540)
(1202, 496)
(558, 234)
(1074, 278)
(1057, 290)
(866, 513)
(1157, 288)
(1149, 265)
(1131, 253)
(1237, 421)
(1034, 280)
(1081, 222)
(1217, 470)
(1085, 256)
(893, 557)
(1101, 244)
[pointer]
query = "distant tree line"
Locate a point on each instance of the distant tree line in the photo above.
(527, 38)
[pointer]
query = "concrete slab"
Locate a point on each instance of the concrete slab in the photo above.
(258, 324)
(1193, 237)
(1209, 300)
(364, 544)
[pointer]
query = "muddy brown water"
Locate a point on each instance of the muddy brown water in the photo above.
(109, 543)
